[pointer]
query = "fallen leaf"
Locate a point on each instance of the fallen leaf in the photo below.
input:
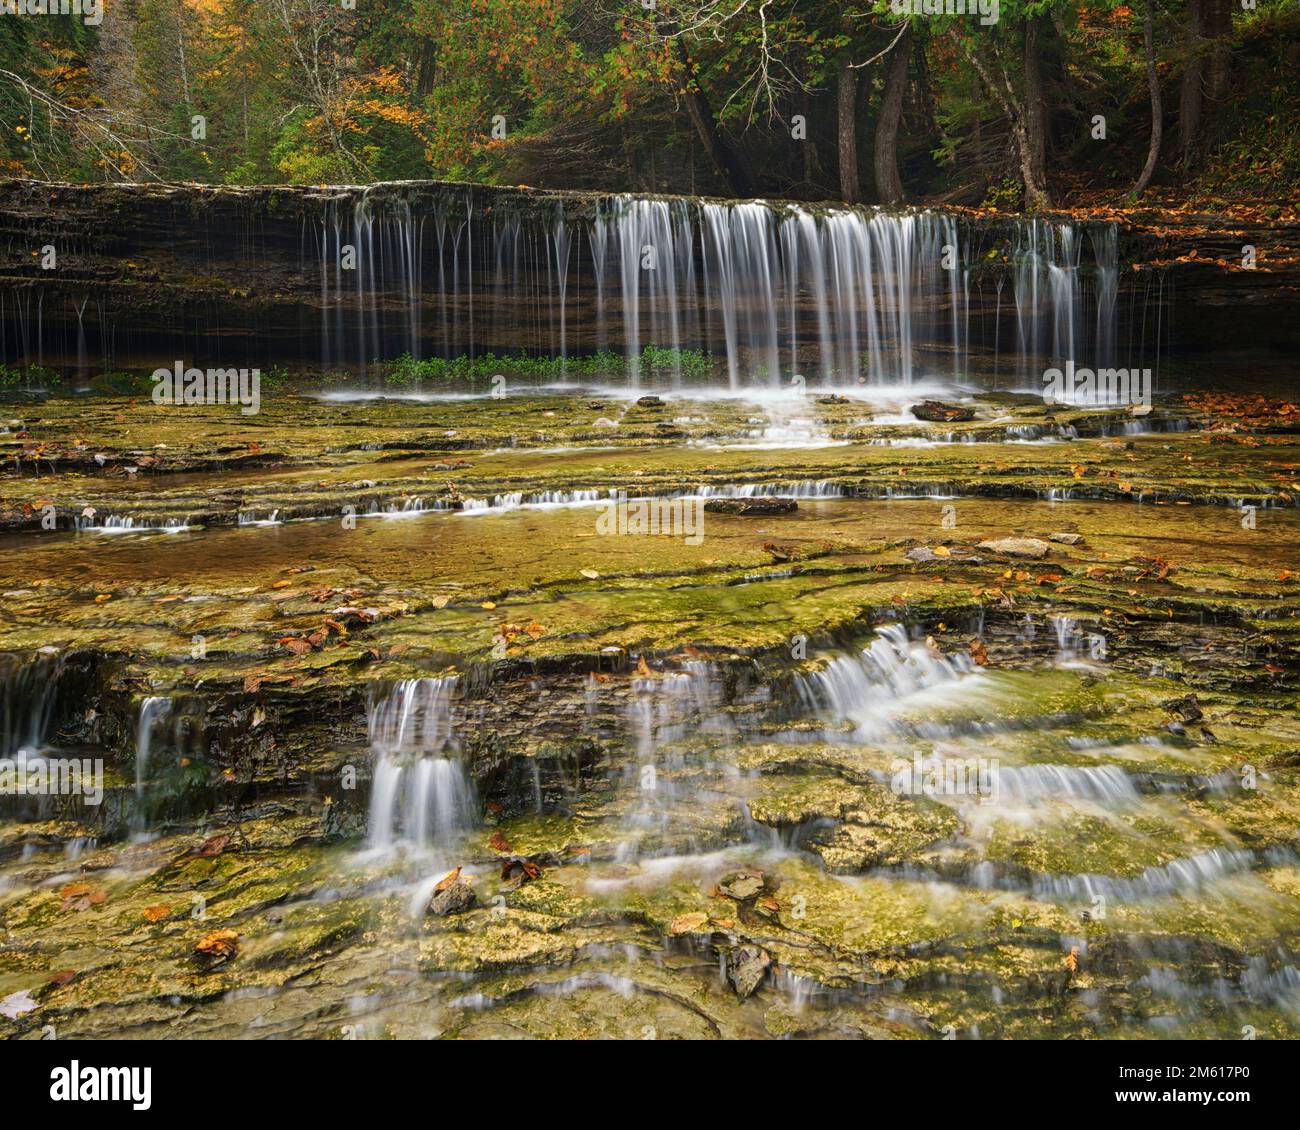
(447, 880)
(213, 845)
(220, 944)
(691, 923)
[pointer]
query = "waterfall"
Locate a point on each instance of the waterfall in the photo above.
(848, 295)
(153, 710)
(1052, 319)
(866, 689)
(164, 725)
(420, 794)
(28, 693)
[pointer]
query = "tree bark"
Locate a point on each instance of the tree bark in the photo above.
(1189, 95)
(1153, 81)
(1035, 115)
(1037, 196)
(812, 163)
(889, 185)
(725, 159)
(847, 101)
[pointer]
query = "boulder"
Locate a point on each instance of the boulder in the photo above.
(1033, 548)
(453, 899)
(747, 969)
(937, 412)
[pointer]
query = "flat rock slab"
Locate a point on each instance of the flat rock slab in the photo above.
(1017, 547)
(1065, 538)
(937, 412)
(751, 506)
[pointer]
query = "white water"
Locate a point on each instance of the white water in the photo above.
(420, 795)
(869, 689)
(847, 296)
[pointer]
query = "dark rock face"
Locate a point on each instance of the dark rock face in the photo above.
(751, 507)
(334, 278)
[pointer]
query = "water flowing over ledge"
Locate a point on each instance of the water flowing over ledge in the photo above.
(343, 277)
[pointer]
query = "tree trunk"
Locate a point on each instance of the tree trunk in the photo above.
(1035, 108)
(927, 98)
(889, 186)
(1013, 109)
(850, 188)
(1189, 95)
(1218, 30)
(1153, 81)
(812, 164)
(725, 159)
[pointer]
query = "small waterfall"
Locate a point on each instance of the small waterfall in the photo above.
(1106, 784)
(163, 726)
(420, 794)
(125, 523)
(154, 711)
(799, 488)
(866, 689)
(1180, 875)
(28, 693)
(1071, 642)
(665, 709)
(1058, 317)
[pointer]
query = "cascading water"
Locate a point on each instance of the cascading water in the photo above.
(842, 296)
(420, 795)
(28, 694)
(866, 690)
(663, 710)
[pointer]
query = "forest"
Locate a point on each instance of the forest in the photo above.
(1045, 102)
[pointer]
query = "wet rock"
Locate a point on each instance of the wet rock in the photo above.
(1034, 548)
(937, 412)
(1185, 709)
(455, 898)
(747, 507)
(747, 970)
(743, 885)
(648, 401)
(1066, 538)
